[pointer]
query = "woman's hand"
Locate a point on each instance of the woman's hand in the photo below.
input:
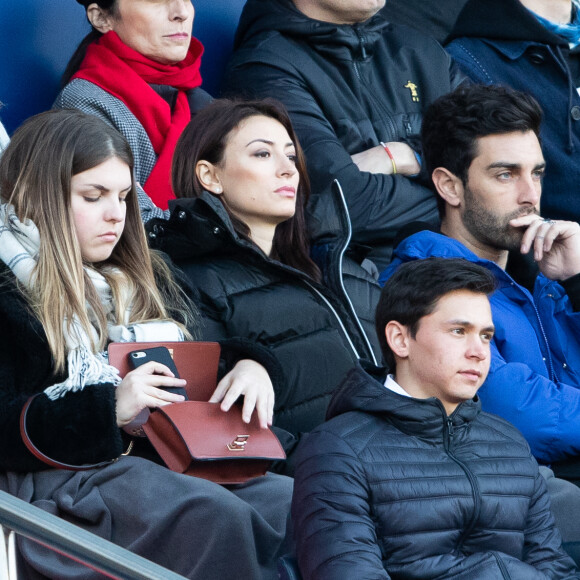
(139, 390)
(250, 379)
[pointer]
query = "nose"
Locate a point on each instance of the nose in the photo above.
(115, 211)
(477, 349)
(180, 10)
(530, 191)
(287, 167)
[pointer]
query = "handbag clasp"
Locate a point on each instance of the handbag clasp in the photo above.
(239, 443)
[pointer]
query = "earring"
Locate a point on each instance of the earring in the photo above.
(218, 189)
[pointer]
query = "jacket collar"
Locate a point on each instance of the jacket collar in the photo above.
(196, 227)
(268, 16)
(199, 227)
(364, 391)
(427, 244)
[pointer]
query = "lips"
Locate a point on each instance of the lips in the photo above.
(286, 191)
(471, 374)
(108, 237)
(178, 36)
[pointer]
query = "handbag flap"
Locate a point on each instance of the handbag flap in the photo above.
(197, 363)
(203, 431)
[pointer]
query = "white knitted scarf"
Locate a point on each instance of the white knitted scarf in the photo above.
(19, 247)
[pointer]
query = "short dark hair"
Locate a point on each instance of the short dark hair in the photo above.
(453, 123)
(413, 291)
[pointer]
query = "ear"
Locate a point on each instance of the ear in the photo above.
(99, 18)
(448, 186)
(397, 336)
(208, 176)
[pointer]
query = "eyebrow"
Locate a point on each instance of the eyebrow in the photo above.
(102, 188)
(289, 144)
(468, 324)
(506, 165)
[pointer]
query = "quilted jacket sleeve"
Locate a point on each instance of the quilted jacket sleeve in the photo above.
(543, 543)
(334, 529)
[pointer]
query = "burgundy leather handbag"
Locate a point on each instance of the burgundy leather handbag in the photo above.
(193, 437)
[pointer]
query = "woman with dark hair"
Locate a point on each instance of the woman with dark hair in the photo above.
(238, 232)
(76, 273)
(138, 69)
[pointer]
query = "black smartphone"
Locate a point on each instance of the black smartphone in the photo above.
(161, 355)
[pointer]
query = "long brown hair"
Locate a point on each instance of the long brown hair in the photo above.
(205, 138)
(35, 177)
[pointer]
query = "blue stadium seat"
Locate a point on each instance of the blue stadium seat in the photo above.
(38, 37)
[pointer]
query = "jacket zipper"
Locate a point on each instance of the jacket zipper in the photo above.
(340, 258)
(450, 431)
(553, 377)
(377, 102)
(501, 566)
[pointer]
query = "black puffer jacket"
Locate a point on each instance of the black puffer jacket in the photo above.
(242, 293)
(393, 488)
(347, 88)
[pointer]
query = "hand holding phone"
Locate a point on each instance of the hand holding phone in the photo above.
(159, 354)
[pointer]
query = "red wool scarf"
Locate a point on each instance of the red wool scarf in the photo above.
(126, 74)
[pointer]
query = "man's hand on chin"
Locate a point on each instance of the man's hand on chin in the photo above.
(556, 245)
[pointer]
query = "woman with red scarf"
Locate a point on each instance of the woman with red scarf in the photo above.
(138, 69)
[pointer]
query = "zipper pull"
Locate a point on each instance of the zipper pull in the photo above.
(363, 50)
(450, 428)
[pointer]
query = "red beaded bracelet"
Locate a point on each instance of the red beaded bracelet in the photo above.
(388, 151)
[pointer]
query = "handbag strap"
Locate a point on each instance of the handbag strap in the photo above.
(44, 458)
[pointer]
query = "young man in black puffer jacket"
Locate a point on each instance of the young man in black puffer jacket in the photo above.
(410, 479)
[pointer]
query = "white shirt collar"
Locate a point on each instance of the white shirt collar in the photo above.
(392, 385)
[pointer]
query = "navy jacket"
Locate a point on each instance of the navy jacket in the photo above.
(534, 378)
(347, 88)
(391, 487)
(500, 41)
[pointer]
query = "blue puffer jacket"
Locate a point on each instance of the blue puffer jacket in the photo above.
(500, 41)
(534, 379)
(393, 488)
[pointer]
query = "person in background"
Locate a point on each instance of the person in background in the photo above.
(138, 69)
(409, 478)
(356, 87)
(532, 46)
(76, 273)
(238, 232)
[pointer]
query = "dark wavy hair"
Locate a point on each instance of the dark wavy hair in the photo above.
(79, 54)
(453, 123)
(413, 291)
(205, 138)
